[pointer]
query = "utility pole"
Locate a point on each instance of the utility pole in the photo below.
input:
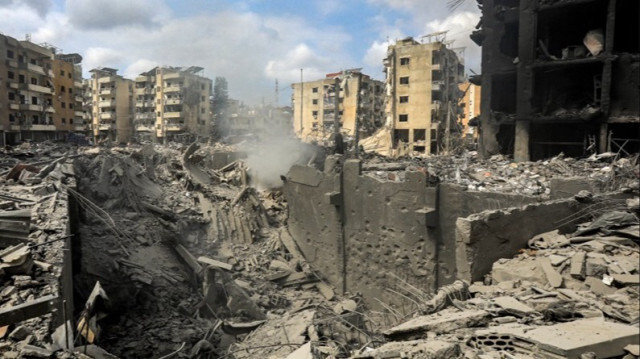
(301, 100)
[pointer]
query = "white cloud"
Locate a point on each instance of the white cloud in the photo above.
(302, 57)
(460, 26)
(41, 7)
(108, 14)
(142, 65)
(375, 54)
(101, 57)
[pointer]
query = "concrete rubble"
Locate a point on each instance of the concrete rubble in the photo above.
(176, 251)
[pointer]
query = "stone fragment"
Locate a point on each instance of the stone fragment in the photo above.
(442, 322)
(20, 333)
(554, 278)
(325, 290)
(513, 306)
(626, 279)
(598, 287)
(35, 352)
(595, 266)
(428, 349)
(577, 265)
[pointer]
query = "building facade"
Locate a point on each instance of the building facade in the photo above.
(26, 91)
(559, 77)
(422, 85)
(112, 105)
(170, 101)
(68, 97)
(470, 105)
(359, 105)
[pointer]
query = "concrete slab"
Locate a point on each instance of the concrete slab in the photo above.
(598, 287)
(577, 265)
(572, 339)
(554, 278)
(513, 306)
(414, 349)
(444, 321)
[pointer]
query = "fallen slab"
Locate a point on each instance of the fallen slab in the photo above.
(442, 322)
(428, 349)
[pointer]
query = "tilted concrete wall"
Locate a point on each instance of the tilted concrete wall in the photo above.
(483, 238)
(455, 202)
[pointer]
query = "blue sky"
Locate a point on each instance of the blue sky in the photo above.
(251, 43)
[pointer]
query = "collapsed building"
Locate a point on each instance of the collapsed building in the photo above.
(559, 76)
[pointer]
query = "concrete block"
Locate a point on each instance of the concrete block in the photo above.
(570, 340)
(513, 306)
(304, 175)
(595, 266)
(577, 265)
(439, 323)
(598, 287)
(554, 278)
(627, 279)
(427, 349)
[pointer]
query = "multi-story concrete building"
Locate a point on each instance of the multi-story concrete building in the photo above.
(470, 104)
(422, 81)
(112, 98)
(171, 101)
(559, 77)
(87, 105)
(68, 100)
(26, 93)
(359, 105)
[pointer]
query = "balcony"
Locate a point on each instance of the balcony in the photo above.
(436, 67)
(329, 105)
(106, 79)
(173, 127)
(107, 103)
(172, 114)
(37, 69)
(38, 88)
(26, 107)
(40, 127)
(173, 88)
(107, 115)
(107, 91)
(77, 84)
(12, 63)
(80, 128)
(173, 101)
(145, 116)
(78, 98)
(145, 104)
(145, 127)
(172, 75)
(78, 114)
(148, 90)
(106, 126)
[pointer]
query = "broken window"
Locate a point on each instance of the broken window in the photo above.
(419, 135)
(63, 105)
(404, 99)
(403, 118)
(12, 96)
(404, 80)
(314, 113)
(404, 61)
(62, 89)
(400, 135)
(64, 121)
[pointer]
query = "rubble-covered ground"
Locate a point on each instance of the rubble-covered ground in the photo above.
(176, 257)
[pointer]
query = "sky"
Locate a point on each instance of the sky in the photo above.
(252, 43)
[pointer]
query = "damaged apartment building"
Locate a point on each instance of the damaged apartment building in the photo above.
(358, 105)
(422, 94)
(163, 102)
(559, 76)
(170, 101)
(38, 88)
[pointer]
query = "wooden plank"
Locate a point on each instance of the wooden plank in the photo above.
(215, 263)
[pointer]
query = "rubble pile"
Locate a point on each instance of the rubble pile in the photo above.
(604, 172)
(565, 296)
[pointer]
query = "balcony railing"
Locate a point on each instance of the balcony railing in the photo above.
(174, 127)
(36, 68)
(107, 90)
(107, 115)
(173, 88)
(107, 103)
(176, 114)
(173, 101)
(145, 116)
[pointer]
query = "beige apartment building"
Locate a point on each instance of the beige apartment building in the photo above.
(68, 100)
(470, 103)
(170, 101)
(112, 101)
(422, 78)
(359, 105)
(26, 91)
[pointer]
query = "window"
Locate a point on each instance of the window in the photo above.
(61, 72)
(314, 113)
(10, 54)
(12, 118)
(62, 89)
(34, 100)
(34, 81)
(314, 90)
(63, 105)
(69, 74)
(71, 121)
(404, 61)
(64, 121)
(404, 80)
(12, 96)
(70, 90)
(315, 101)
(22, 79)
(403, 118)
(20, 58)
(70, 105)
(11, 75)
(404, 99)
(201, 98)
(202, 87)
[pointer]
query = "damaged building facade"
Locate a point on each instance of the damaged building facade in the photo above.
(112, 101)
(170, 101)
(352, 97)
(559, 76)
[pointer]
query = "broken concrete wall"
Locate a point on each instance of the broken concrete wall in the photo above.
(483, 238)
(455, 202)
(386, 234)
(219, 159)
(314, 221)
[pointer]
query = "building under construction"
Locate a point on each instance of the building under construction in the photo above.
(559, 76)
